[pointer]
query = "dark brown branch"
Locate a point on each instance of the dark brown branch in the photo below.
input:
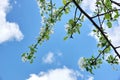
(118, 4)
(75, 13)
(63, 8)
(101, 31)
(117, 47)
(104, 13)
(100, 54)
(99, 17)
(51, 9)
(35, 46)
(75, 22)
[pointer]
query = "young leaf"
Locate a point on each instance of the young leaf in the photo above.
(107, 16)
(66, 37)
(64, 2)
(109, 24)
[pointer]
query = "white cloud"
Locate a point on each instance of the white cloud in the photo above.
(49, 58)
(8, 30)
(114, 5)
(114, 34)
(56, 74)
(89, 5)
(90, 78)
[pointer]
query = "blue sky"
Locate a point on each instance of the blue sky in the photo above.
(20, 23)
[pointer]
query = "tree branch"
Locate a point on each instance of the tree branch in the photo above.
(92, 21)
(63, 8)
(118, 4)
(104, 13)
(117, 47)
(100, 54)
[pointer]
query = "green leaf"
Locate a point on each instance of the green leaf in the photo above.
(82, 18)
(107, 16)
(116, 15)
(67, 10)
(94, 30)
(42, 0)
(98, 3)
(109, 24)
(30, 56)
(23, 54)
(71, 21)
(64, 1)
(66, 37)
(107, 50)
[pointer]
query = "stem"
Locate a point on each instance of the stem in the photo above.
(118, 4)
(92, 21)
(105, 13)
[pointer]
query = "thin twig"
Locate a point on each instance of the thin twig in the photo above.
(105, 13)
(101, 31)
(118, 4)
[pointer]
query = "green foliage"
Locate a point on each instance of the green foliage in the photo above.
(30, 56)
(92, 63)
(112, 60)
(107, 16)
(104, 13)
(109, 24)
(64, 1)
(116, 14)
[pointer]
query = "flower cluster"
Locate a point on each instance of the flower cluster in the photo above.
(24, 57)
(82, 63)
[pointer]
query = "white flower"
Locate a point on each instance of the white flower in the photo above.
(24, 58)
(43, 20)
(66, 27)
(82, 63)
(42, 29)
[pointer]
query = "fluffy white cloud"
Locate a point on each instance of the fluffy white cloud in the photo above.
(114, 34)
(90, 78)
(57, 74)
(8, 30)
(88, 5)
(49, 58)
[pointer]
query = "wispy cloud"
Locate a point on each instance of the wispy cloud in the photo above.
(49, 58)
(88, 5)
(114, 34)
(52, 57)
(56, 74)
(8, 30)
(90, 78)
